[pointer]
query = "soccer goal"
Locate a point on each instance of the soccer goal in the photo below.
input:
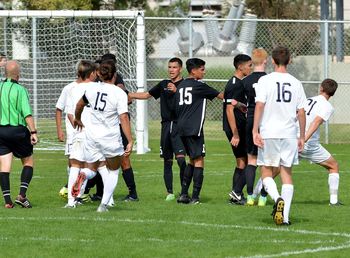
(48, 45)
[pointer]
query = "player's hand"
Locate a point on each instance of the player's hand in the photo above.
(235, 140)
(301, 142)
(129, 100)
(78, 124)
(60, 135)
(128, 149)
(258, 141)
(240, 106)
(171, 87)
(34, 139)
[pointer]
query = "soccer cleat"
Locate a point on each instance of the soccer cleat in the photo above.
(237, 198)
(170, 197)
(85, 198)
(68, 206)
(262, 201)
(102, 208)
(78, 201)
(77, 184)
(286, 223)
(250, 200)
(9, 205)
(194, 201)
(95, 197)
(131, 198)
(184, 198)
(63, 192)
(336, 204)
(277, 213)
(23, 201)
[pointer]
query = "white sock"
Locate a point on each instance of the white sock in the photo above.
(271, 187)
(89, 174)
(287, 195)
(333, 183)
(73, 174)
(110, 181)
(257, 188)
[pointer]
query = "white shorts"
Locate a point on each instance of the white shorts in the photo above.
(77, 151)
(100, 149)
(278, 152)
(68, 146)
(315, 153)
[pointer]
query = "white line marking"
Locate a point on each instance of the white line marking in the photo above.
(3, 238)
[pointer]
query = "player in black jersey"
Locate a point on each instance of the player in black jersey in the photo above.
(234, 124)
(191, 97)
(170, 142)
(259, 59)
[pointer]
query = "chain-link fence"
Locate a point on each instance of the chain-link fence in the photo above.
(320, 49)
(307, 40)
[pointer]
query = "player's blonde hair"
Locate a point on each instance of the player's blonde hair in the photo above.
(259, 55)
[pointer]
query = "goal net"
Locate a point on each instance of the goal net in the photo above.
(48, 46)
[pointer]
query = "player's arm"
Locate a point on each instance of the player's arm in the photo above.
(60, 133)
(139, 95)
(33, 132)
(240, 106)
(125, 124)
(232, 122)
(313, 127)
(258, 112)
(302, 122)
(78, 110)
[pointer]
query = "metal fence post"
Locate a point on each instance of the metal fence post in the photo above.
(325, 47)
(34, 56)
(190, 37)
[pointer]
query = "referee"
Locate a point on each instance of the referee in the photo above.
(17, 134)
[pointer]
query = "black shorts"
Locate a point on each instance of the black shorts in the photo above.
(170, 141)
(252, 149)
(194, 146)
(240, 150)
(15, 139)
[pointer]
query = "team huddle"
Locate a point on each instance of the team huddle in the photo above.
(267, 119)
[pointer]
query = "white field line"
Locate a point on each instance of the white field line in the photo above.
(305, 251)
(47, 239)
(189, 223)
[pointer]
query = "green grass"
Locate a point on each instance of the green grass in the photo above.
(155, 228)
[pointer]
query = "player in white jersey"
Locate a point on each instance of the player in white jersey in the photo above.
(87, 74)
(280, 101)
(61, 106)
(319, 110)
(109, 106)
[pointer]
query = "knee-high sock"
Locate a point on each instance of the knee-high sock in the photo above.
(110, 181)
(181, 161)
(287, 195)
(198, 177)
(250, 178)
(333, 183)
(128, 176)
(258, 187)
(168, 175)
(26, 177)
(89, 174)
(188, 174)
(271, 187)
(5, 186)
(238, 180)
(73, 175)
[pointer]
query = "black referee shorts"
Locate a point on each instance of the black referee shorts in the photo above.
(15, 139)
(170, 141)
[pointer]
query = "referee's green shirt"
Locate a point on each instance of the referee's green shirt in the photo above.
(14, 103)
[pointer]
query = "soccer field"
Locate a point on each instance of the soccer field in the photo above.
(153, 227)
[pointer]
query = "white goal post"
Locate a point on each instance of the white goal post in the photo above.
(48, 45)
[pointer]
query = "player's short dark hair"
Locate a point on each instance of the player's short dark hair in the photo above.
(329, 86)
(107, 70)
(176, 60)
(108, 56)
(281, 55)
(85, 68)
(240, 59)
(194, 63)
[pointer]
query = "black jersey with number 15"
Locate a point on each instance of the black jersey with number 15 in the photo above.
(190, 98)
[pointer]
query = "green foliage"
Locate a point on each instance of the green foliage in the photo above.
(57, 4)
